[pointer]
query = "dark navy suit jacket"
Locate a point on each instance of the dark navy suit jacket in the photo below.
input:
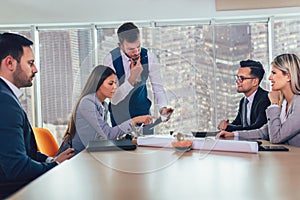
(19, 160)
(258, 112)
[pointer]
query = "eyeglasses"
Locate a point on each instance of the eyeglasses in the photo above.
(242, 78)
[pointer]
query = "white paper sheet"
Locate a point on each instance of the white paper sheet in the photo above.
(202, 143)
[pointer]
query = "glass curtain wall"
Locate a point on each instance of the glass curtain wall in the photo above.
(178, 49)
(197, 64)
(65, 63)
(233, 43)
(287, 36)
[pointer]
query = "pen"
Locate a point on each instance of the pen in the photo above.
(140, 128)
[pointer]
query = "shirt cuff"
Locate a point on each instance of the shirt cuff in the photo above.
(50, 160)
(236, 134)
(127, 86)
(273, 105)
(126, 126)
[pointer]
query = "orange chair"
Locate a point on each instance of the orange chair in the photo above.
(46, 143)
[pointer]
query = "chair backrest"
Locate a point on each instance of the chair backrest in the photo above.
(46, 143)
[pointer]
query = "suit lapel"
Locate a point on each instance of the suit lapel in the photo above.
(6, 89)
(28, 132)
(254, 103)
(290, 109)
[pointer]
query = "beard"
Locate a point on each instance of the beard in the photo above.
(243, 90)
(20, 78)
(133, 57)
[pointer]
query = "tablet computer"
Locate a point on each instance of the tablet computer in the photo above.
(272, 148)
(111, 145)
(204, 133)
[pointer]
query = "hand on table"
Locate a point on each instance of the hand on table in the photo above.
(67, 154)
(224, 134)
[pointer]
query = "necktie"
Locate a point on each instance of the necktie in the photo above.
(244, 112)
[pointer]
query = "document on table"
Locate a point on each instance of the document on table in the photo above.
(208, 143)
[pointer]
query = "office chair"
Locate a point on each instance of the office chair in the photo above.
(46, 143)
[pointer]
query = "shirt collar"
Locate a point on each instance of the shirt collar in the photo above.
(17, 92)
(104, 105)
(251, 97)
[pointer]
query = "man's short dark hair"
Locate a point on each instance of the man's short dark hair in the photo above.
(256, 68)
(129, 32)
(12, 44)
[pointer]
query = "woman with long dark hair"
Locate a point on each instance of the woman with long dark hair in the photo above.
(88, 120)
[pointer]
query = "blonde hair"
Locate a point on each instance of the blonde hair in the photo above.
(289, 64)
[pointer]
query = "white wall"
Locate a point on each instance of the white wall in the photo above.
(92, 11)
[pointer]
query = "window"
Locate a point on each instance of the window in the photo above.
(287, 36)
(198, 62)
(65, 63)
(233, 43)
(200, 68)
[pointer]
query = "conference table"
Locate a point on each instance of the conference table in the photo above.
(149, 173)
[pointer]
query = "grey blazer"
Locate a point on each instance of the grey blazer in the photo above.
(90, 122)
(277, 132)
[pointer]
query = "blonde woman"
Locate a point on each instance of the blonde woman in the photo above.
(284, 112)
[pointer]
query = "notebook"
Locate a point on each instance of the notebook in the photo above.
(111, 145)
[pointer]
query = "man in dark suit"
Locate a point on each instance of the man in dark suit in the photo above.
(20, 162)
(251, 114)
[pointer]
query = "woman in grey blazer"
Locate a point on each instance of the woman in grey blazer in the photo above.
(88, 120)
(284, 112)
